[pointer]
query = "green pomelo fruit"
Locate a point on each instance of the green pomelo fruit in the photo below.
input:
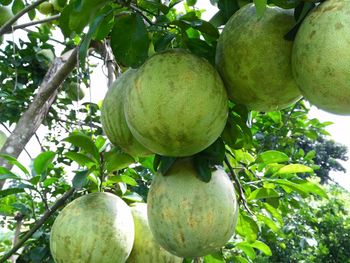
(3, 139)
(113, 117)
(5, 15)
(45, 8)
(75, 92)
(254, 59)
(188, 217)
(94, 228)
(321, 58)
(146, 249)
(45, 56)
(178, 105)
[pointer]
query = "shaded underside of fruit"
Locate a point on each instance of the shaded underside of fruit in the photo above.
(146, 249)
(113, 117)
(94, 228)
(178, 105)
(321, 58)
(189, 217)
(254, 59)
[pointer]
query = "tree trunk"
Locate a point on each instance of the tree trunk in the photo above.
(38, 109)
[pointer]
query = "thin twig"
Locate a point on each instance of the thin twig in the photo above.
(238, 186)
(7, 26)
(37, 138)
(38, 224)
(33, 23)
(137, 10)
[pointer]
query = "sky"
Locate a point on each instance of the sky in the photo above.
(339, 130)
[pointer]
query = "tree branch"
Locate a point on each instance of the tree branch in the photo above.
(38, 109)
(33, 23)
(238, 186)
(7, 27)
(38, 224)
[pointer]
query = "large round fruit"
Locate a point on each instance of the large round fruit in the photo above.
(113, 117)
(5, 15)
(178, 106)
(94, 228)
(146, 249)
(254, 59)
(45, 8)
(189, 217)
(321, 58)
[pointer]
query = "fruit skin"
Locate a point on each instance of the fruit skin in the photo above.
(146, 249)
(189, 217)
(320, 58)
(113, 116)
(45, 8)
(94, 228)
(254, 60)
(178, 106)
(5, 15)
(3, 139)
(45, 57)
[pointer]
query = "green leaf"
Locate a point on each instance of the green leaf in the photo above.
(81, 14)
(7, 174)
(272, 156)
(80, 179)
(123, 179)
(293, 186)
(247, 249)
(104, 27)
(165, 164)
(275, 213)
(310, 155)
(134, 197)
(10, 191)
(214, 258)
(313, 188)
(129, 40)
(202, 166)
(258, 245)
(87, 39)
(269, 222)
(14, 161)
(80, 159)
(85, 143)
(295, 168)
(260, 6)
(42, 161)
(17, 6)
(239, 259)
(116, 161)
(228, 8)
(247, 227)
(276, 116)
(262, 193)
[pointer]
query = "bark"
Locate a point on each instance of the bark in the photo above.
(38, 109)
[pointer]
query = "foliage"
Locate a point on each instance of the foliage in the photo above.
(316, 231)
(271, 157)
